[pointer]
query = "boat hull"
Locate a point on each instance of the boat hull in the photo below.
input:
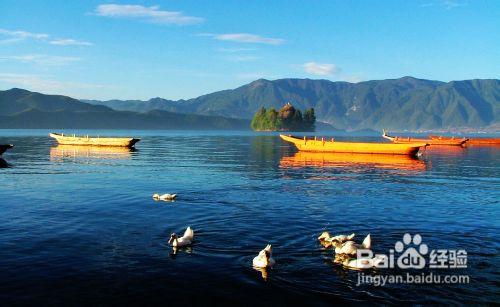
(430, 141)
(399, 140)
(350, 147)
(473, 141)
(3, 148)
(94, 141)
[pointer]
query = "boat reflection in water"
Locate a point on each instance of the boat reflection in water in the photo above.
(91, 152)
(354, 161)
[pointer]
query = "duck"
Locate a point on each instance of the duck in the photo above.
(325, 236)
(264, 258)
(164, 197)
(185, 240)
(364, 263)
(351, 247)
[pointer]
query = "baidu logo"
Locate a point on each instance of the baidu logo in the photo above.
(413, 251)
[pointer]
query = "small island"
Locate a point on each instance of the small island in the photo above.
(287, 119)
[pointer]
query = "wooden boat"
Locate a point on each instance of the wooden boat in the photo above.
(3, 148)
(352, 161)
(472, 141)
(323, 145)
(408, 140)
(93, 141)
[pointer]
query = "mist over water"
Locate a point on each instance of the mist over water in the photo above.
(79, 225)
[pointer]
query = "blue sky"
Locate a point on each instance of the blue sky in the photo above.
(183, 49)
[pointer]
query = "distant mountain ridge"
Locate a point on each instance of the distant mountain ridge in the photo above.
(24, 109)
(404, 103)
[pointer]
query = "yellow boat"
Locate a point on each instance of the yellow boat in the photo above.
(431, 142)
(93, 141)
(352, 160)
(473, 141)
(323, 145)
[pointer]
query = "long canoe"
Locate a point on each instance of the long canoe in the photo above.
(474, 141)
(315, 145)
(93, 141)
(3, 148)
(409, 140)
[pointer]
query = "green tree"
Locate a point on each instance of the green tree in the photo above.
(258, 119)
(309, 119)
(273, 120)
(287, 118)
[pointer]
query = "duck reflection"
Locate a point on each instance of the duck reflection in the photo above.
(263, 272)
(3, 163)
(176, 250)
(346, 160)
(94, 152)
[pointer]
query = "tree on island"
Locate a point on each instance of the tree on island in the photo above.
(287, 119)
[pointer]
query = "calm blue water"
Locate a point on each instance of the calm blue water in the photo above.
(79, 226)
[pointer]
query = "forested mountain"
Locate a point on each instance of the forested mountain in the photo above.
(405, 103)
(24, 109)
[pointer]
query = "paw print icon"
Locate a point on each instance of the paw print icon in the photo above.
(412, 250)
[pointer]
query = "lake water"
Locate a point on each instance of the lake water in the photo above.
(79, 225)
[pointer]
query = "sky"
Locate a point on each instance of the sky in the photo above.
(183, 49)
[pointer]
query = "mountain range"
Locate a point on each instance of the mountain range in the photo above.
(405, 103)
(24, 109)
(396, 104)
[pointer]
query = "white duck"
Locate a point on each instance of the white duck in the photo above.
(351, 247)
(365, 263)
(326, 239)
(164, 197)
(264, 258)
(185, 240)
(325, 236)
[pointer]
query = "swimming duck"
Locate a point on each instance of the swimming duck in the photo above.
(164, 197)
(351, 247)
(264, 258)
(326, 239)
(185, 240)
(325, 236)
(323, 239)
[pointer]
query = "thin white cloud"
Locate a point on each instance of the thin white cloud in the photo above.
(245, 38)
(41, 59)
(450, 4)
(320, 69)
(244, 58)
(70, 42)
(235, 50)
(447, 4)
(24, 34)
(9, 36)
(151, 14)
(45, 83)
